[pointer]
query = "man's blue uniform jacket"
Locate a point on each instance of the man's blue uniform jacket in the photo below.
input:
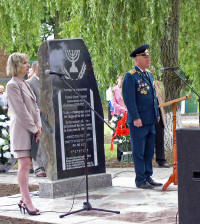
(140, 97)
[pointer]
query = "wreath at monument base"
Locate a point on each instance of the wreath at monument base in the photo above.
(121, 137)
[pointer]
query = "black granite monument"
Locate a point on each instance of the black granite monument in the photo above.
(64, 113)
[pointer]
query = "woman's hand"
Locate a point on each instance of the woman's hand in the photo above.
(38, 134)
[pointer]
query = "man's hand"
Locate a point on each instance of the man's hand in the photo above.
(158, 118)
(137, 123)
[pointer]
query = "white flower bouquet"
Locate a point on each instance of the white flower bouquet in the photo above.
(5, 153)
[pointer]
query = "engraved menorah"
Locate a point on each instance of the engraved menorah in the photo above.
(73, 56)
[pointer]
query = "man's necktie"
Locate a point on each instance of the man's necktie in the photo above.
(146, 75)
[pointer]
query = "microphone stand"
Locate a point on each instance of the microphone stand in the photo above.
(193, 90)
(86, 205)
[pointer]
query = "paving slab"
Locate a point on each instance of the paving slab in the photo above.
(137, 206)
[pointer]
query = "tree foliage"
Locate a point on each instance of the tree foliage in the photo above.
(111, 29)
(20, 25)
(189, 44)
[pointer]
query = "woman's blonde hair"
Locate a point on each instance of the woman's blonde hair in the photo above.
(14, 63)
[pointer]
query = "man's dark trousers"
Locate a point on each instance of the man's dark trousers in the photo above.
(142, 145)
(159, 143)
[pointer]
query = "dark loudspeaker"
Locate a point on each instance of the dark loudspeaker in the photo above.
(188, 154)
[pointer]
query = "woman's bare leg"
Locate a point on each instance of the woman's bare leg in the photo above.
(24, 165)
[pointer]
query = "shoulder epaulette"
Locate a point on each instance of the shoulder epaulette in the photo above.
(132, 71)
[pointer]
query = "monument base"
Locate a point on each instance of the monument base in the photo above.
(67, 187)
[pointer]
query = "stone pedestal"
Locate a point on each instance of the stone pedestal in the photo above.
(75, 185)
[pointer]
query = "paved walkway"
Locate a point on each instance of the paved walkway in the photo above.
(136, 206)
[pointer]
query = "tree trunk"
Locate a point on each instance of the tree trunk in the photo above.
(169, 57)
(56, 28)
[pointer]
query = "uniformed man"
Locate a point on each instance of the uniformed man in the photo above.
(140, 99)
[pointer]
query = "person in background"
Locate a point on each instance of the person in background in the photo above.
(34, 83)
(109, 99)
(3, 101)
(25, 122)
(30, 73)
(159, 141)
(118, 105)
(117, 99)
(143, 114)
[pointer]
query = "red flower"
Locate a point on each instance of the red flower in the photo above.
(125, 131)
(121, 129)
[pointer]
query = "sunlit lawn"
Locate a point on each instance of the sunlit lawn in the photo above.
(108, 135)
(110, 154)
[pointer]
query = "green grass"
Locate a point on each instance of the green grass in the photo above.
(110, 154)
(107, 131)
(108, 136)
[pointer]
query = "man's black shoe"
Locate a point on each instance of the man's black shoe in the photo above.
(154, 183)
(163, 165)
(145, 185)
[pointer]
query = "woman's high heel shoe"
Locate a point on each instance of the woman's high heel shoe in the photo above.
(21, 205)
(35, 212)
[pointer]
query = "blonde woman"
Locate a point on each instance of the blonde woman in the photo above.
(25, 121)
